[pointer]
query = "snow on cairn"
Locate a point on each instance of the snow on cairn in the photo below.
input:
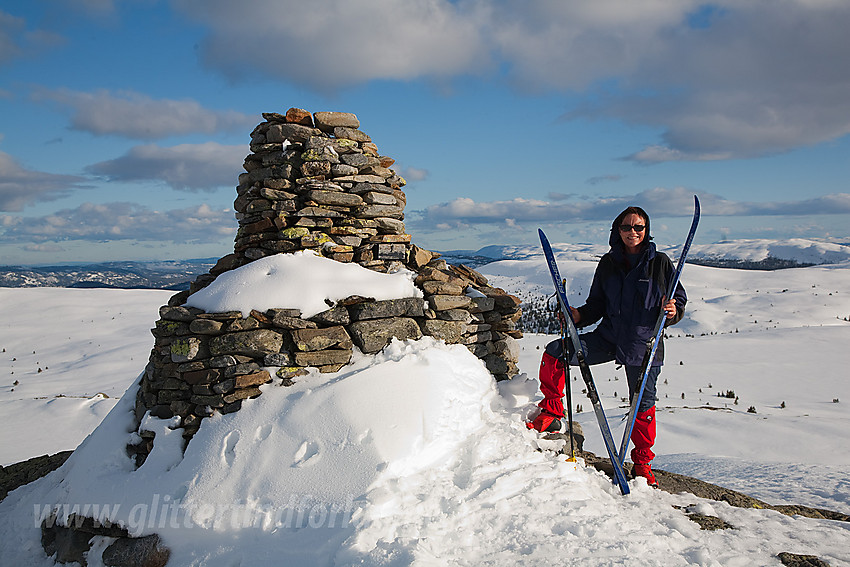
(282, 280)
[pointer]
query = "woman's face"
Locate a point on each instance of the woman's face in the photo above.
(632, 237)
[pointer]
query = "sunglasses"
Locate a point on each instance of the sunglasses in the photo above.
(628, 227)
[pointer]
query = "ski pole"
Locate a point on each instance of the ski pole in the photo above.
(568, 388)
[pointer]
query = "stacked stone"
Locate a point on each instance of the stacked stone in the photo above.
(315, 181)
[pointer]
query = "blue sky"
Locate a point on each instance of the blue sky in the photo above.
(125, 123)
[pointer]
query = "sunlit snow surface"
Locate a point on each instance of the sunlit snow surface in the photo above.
(301, 280)
(414, 457)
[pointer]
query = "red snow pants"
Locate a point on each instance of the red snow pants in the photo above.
(552, 378)
(643, 436)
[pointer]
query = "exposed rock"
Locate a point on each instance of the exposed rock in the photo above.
(68, 544)
(407, 307)
(186, 349)
(327, 357)
(254, 379)
(449, 331)
(794, 560)
(19, 474)
(335, 316)
(145, 551)
(708, 522)
(330, 120)
(319, 339)
(256, 343)
(372, 335)
(446, 302)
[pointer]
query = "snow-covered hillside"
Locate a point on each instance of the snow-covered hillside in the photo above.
(414, 457)
(800, 251)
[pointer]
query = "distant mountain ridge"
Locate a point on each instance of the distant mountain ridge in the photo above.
(176, 274)
(753, 254)
(173, 275)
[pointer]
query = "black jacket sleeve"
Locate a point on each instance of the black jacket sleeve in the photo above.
(663, 271)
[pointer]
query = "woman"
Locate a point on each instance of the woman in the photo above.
(626, 294)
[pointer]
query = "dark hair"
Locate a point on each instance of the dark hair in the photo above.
(615, 239)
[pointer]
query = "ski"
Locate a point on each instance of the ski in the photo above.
(592, 394)
(655, 340)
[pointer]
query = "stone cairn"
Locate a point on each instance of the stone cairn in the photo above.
(317, 182)
(312, 181)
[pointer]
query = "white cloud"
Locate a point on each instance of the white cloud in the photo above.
(122, 221)
(412, 174)
(20, 187)
(138, 116)
(659, 202)
(47, 247)
(762, 78)
(659, 154)
(185, 167)
(17, 41)
(604, 179)
(10, 27)
(723, 80)
(327, 44)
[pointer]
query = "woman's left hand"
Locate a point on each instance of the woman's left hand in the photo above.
(670, 308)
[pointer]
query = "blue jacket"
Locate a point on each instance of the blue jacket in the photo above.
(628, 300)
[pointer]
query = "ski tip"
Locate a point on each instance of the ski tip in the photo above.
(696, 203)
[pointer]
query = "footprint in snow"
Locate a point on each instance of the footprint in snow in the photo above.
(228, 452)
(307, 454)
(263, 432)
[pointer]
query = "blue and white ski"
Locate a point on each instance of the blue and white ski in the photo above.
(619, 476)
(652, 343)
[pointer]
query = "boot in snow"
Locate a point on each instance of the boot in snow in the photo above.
(645, 471)
(545, 423)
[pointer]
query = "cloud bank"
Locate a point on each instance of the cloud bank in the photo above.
(121, 221)
(724, 80)
(185, 167)
(20, 187)
(659, 202)
(137, 116)
(17, 41)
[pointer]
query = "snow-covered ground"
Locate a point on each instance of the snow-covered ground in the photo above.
(414, 456)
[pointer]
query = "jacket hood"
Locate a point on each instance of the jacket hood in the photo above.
(614, 240)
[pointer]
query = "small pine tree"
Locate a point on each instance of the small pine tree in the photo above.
(782, 405)
(752, 409)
